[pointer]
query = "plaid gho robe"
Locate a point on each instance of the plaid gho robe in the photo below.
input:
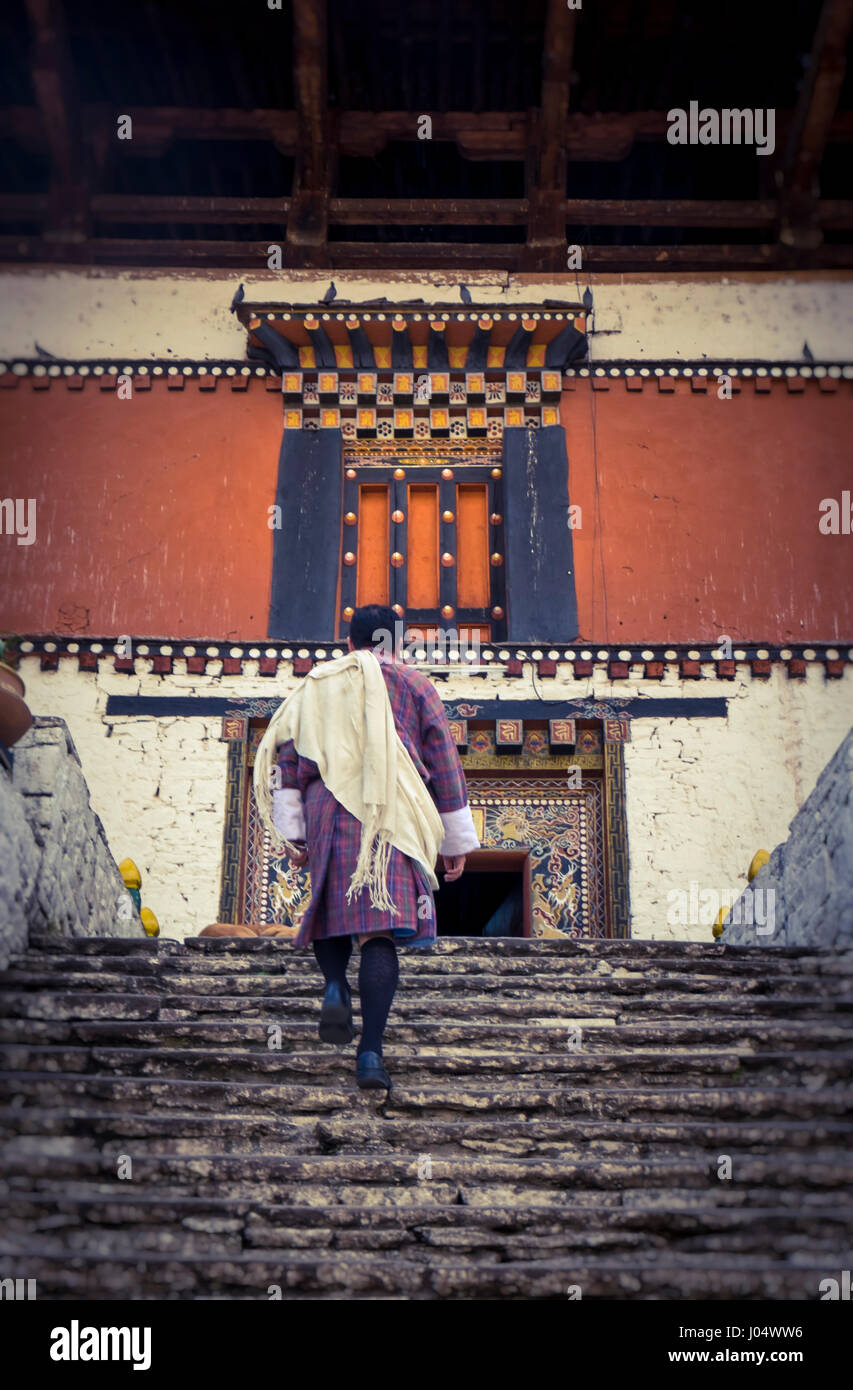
(333, 835)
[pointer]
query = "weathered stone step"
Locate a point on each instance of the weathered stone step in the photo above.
(80, 1130)
(343, 1225)
(526, 985)
(441, 1101)
(77, 1004)
(443, 1196)
(107, 1207)
(787, 1169)
(300, 964)
(494, 1009)
(595, 1033)
(445, 946)
(423, 1240)
(254, 1275)
(645, 1066)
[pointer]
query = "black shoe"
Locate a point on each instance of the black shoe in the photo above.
(370, 1073)
(336, 1014)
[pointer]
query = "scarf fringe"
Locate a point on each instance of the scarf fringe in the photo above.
(371, 871)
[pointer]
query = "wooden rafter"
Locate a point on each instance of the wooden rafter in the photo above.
(307, 223)
(798, 218)
(546, 150)
(58, 113)
(604, 137)
(411, 256)
(439, 212)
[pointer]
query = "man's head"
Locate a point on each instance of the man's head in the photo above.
(374, 624)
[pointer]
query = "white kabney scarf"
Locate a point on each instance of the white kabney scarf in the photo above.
(340, 717)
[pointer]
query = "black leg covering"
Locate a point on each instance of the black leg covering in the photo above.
(378, 973)
(332, 956)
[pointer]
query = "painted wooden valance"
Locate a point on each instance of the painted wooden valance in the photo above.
(417, 375)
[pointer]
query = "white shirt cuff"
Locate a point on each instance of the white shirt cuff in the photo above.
(460, 837)
(288, 813)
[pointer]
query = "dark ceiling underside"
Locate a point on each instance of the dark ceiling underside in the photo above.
(299, 127)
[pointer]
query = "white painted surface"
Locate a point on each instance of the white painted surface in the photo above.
(703, 795)
(106, 312)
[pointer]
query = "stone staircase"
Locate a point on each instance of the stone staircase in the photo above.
(559, 1119)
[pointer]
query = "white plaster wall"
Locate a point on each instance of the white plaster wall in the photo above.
(102, 311)
(703, 795)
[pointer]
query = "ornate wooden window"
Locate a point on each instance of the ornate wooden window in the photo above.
(424, 533)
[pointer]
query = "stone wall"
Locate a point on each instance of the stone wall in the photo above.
(58, 872)
(810, 875)
(703, 794)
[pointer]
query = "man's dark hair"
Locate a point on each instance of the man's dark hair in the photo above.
(372, 624)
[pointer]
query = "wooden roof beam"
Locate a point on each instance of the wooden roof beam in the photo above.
(546, 150)
(439, 212)
(412, 256)
(308, 219)
(799, 223)
(501, 135)
(56, 94)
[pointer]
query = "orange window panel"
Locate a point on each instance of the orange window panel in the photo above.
(422, 589)
(373, 554)
(472, 545)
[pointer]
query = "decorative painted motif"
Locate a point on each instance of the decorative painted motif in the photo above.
(459, 730)
(562, 733)
(533, 754)
(562, 830)
(616, 839)
(273, 892)
(509, 733)
(232, 840)
(234, 727)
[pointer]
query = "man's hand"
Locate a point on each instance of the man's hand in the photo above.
(299, 855)
(453, 866)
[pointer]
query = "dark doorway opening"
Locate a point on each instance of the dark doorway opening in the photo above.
(491, 898)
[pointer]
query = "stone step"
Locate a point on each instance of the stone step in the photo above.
(283, 959)
(593, 985)
(445, 946)
(50, 1005)
(105, 1207)
(257, 1275)
(420, 1234)
(442, 1196)
(441, 1100)
(595, 1033)
(84, 1132)
(644, 1066)
(272, 1223)
(49, 1159)
(80, 1130)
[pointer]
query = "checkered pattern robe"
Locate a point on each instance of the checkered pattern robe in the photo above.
(334, 836)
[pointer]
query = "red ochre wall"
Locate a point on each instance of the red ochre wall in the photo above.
(699, 516)
(152, 512)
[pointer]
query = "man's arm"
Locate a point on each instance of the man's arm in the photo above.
(288, 810)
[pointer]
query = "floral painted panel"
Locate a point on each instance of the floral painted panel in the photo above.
(562, 829)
